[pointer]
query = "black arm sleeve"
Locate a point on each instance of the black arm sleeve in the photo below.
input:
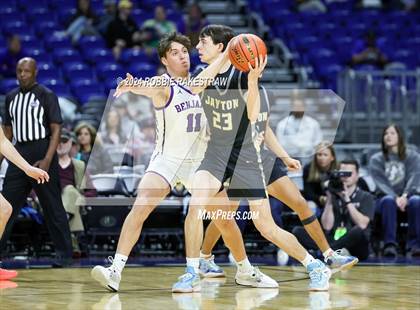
(7, 120)
(53, 108)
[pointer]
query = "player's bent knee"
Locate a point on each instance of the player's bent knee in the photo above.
(141, 212)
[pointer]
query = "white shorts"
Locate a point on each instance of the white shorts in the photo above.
(174, 170)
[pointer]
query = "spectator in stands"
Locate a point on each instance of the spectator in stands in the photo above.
(137, 107)
(129, 127)
(72, 181)
(9, 60)
(396, 171)
(148, 140)
(157, 27)
(123, 31)
(108, 17)
(86, 137)
(82, 23)
(315, 174)
(310, 6)
(113, 133)
(299, 133)
(346, 217)
(367, 52)
(194, 22)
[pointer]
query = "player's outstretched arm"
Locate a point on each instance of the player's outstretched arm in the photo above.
(9, 151)
(205, 78)
(274, 145)
(157, 88)
(252, 97)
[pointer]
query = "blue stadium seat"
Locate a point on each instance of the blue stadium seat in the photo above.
(130, 55)
(7, 85)
(90, 42)
(111, 83)
(7, 18)
(406, 56)
(81, 75)
(151, 4)
(61, 90)
(63, 55)
(46, 72)
(89, 92)
(31, 41)
(108, 70)
(33, 52)
(45, 65)
(65, 12)
(7, 7)
(50, 82)
(47, 27)
(142, 69)
(46, 57)
(53, 42)
(70, 67)
(98, 55)
(40, 15)
(82, 82)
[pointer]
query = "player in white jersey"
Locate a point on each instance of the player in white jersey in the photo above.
(179, 150)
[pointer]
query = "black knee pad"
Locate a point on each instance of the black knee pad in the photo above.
(309, 220)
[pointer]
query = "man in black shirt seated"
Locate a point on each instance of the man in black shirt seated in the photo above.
(346, 217)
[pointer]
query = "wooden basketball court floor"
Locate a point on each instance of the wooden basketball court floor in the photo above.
(363, 287)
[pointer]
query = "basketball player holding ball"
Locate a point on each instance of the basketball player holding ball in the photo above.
(231, 154)
(244, 52)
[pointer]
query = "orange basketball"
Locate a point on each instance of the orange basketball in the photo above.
(245, 48)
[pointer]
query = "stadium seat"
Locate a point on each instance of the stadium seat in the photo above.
(91, 42)
(46, 28)
(142, 69)
(33, 52)
(70, 67)
(130, 55)
(98, 56)
(53, 42)
(108, 70)
(81, 82)
(64, 54)
(7, 85)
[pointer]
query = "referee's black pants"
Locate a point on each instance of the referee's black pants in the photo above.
(17, 186)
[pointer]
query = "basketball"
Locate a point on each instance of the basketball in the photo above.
(245, 48)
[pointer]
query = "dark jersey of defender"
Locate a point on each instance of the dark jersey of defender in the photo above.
(261, 123)
(226, 110)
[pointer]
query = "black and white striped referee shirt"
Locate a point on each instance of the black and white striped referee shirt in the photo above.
(31, 112)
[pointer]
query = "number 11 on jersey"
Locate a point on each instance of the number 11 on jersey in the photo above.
(190, 126)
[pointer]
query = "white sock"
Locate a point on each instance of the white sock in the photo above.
(194, 263)
(119, 261)
(328, 252)
(244, 265)
(205, 256)
(307, 260)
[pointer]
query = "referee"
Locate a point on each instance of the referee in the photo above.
(33, 118)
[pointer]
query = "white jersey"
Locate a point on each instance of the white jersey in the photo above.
(180, 125)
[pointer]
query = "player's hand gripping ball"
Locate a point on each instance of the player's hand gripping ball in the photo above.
(246, 48)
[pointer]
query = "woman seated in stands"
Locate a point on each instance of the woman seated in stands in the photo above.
(315, 174)
(396, 172)
(101, 161)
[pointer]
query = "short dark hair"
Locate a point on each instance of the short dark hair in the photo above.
(351, 162)
(167, 40)
(218, 33)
